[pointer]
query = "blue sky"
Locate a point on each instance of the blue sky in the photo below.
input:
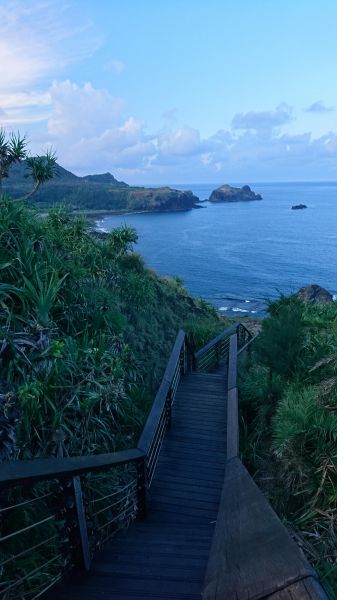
(180, 91)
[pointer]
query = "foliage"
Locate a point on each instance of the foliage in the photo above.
(281, 342)
(86, 331)
(13, 149)
(289, 424)
(85, 334)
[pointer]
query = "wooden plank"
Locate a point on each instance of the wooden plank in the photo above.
(232, 424)
(252, 552)
(52, 468)
(306, 589)
(165, 555)
(232, 363)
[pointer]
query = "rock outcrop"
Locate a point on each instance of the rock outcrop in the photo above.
(315, 294)
(227, 193)
(160, 199)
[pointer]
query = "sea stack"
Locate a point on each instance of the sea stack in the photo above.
(227, 193)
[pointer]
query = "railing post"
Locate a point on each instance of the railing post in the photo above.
(168, 409)
(82, 524)
(71, 511)
(217, 353)
(232, 401)
(183, 359)
(141, 487)
(193, 362)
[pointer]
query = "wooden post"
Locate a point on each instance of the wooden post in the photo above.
(217, 353)
(82, 524)
(168, 409)
(141, 488)
(232, 401)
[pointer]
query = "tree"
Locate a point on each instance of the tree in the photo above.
(13, 149)
(42, 168)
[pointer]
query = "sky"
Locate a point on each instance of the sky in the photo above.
(174, 91)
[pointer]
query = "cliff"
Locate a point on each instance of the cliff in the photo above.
(101, 192)
(227, 193)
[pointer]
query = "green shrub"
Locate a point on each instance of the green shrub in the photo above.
(289, 424)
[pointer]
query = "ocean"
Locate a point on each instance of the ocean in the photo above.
(239, 256)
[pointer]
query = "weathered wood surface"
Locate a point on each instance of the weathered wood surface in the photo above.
(253, 555)
(52, 468)
(165, 555)
(233, 362)
(306, 589)
(232, 401)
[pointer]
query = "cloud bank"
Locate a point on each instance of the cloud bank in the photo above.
(319, 107)
(92, 129)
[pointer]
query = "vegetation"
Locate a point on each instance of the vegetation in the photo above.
(86, 331)
(13, 150)
(289, 424)
(90, 193)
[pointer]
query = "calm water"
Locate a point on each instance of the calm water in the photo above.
(239, 255)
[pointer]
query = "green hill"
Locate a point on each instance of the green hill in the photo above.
(95, 192)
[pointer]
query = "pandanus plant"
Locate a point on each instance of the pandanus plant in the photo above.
(13, 149)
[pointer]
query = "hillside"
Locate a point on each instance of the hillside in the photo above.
(96, 193)
(86, 331)
(288, 399)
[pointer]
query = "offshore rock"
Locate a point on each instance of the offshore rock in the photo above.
(315, 294)
(227, 193)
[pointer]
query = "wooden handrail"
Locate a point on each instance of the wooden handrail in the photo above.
(252, 553)
(68, 470)
(39, 469)
(232, 400)
(217, 339)
(151, 424)
(233, 362)
(246, 346)
(47, 468)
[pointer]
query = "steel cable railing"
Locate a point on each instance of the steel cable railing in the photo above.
(56, 513)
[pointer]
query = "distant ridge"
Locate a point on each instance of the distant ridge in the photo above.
(105, 178)
(98, 192)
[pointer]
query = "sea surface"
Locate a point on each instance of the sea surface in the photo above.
(238, 256)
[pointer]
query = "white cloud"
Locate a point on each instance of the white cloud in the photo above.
(89, 130)
(92, 133)
(182, 141)
(263, 120)
(81, 111)
(319, 107)
(37, 42)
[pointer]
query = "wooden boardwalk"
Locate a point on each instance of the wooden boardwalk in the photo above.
(209, 532)
(165, 555)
